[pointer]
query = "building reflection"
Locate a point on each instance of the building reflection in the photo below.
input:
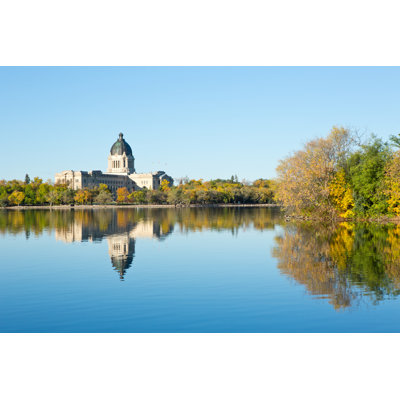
(119, 228)
(344, 263)
(122, 226)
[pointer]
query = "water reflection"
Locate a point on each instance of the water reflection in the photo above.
(121, 227)
(346, 263)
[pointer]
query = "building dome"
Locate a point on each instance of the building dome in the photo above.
(120, 147)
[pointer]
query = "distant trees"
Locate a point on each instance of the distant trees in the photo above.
(218, 191)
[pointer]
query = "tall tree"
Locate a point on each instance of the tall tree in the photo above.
(366, 169)
(304, 179)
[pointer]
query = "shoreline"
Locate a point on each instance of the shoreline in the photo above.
(381, 219)
(98, 206)
(287, 218)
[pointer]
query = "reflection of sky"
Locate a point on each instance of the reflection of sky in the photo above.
(204, 281)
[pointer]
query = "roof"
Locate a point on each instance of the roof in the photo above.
(120, 147)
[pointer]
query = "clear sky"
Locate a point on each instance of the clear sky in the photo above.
(204, 122)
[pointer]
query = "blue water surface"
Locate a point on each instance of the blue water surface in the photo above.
(236, 270)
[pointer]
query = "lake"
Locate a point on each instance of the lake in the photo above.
(195, 270)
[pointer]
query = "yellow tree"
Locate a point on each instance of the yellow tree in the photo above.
(341, 195)
(304, 178)
(392, 181)
(16, 197)
(82, 196)
(165, 186)
(122, 195)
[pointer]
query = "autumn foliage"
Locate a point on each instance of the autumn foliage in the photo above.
(218, 191)
(305, 179)
(341, 177)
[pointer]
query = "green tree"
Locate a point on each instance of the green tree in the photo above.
(4, 202)
(67, 196)
(395, 140)
(156, 197)
(52, 197)
(30, 195)
(41, 193)
(139, 197)
(366, 169)
(104, 197)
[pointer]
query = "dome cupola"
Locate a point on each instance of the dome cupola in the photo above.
(120, 147)
(121, 160)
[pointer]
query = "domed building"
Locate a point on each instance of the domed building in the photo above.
(121, 160)
(120, 172)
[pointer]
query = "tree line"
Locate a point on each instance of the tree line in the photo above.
(342, 176)
(219, 191)
(338, 176)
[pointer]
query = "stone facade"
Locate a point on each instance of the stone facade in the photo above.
(120, 173)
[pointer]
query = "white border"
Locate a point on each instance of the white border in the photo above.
(194, 366)
(207, 32)
(197, 366)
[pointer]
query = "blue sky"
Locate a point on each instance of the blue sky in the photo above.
(203, 122)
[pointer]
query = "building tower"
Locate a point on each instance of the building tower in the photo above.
(121, 160)
(121, 249)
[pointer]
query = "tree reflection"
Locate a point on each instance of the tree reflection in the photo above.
(101, 220)
(345, 263)
(122, 226)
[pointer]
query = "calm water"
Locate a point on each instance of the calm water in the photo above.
(195, 270)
